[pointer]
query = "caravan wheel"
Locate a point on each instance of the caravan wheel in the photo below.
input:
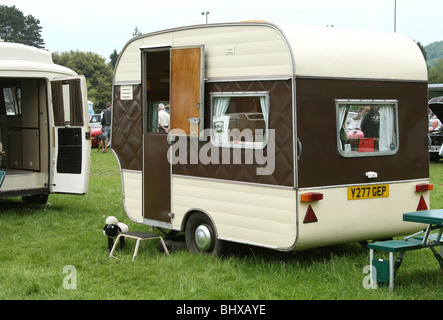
(201, 236)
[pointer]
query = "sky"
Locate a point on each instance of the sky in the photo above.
(102, 26)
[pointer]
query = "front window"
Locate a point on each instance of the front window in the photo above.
(240, 120)
(366, 127)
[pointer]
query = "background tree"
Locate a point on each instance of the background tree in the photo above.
(16, 27)
(435, 65)
(423, 50)
(97, 72)
(434, 53)
(436, 76)
(436, 73)
(136, 32)
(113, 58)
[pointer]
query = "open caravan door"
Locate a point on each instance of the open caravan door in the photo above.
(71, 136)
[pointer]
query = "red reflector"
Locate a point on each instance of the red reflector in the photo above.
(310, 216)
(423, 187)
(311, 196)
(422, 204)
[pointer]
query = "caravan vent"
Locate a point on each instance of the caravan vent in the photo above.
(126, 93)
(230, 50)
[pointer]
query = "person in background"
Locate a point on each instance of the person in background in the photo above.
(106, 125)
(163, 119)
(370, 125)
(434, 126)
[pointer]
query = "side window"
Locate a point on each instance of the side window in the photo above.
(240, 120)
(12, 100)
(366, 127)
(67, 102)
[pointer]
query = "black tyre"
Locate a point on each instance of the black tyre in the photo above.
(36, 199)
(201, 236)
(433, 156)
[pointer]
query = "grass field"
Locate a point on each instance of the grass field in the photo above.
(44, 248)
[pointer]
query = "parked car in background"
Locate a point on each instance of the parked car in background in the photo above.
(353, 125)
(95, 131)
(95, 120)
(435, 128)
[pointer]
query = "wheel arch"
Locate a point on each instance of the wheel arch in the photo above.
(192, 211)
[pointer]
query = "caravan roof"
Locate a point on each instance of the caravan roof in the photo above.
(254, 50)
(18, 60)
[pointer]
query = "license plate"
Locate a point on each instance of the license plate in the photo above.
(368, 192)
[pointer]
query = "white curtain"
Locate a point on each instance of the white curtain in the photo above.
(265, 116)
(341, 116)
(342, 110)
(220, 123)
(387, 122)
(263, 108)
(221, 104)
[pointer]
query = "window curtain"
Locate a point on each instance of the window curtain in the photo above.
(342, 112)
(264, 110)
(387, 134)
(57, 103)
(152, 114)
(221, 104)
(75, 100)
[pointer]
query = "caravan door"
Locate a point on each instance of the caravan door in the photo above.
(71, 136)
(175, 77)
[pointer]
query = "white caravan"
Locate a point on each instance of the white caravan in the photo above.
(44, 130)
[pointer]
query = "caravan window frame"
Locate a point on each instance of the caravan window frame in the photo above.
(379, 148)
(240, 144)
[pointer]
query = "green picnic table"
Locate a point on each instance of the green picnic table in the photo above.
(383, 271)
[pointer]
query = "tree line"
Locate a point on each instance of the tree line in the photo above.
(435, 64)
(16, 27)
(97, 72)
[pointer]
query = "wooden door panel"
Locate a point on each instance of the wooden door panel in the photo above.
(186, 81)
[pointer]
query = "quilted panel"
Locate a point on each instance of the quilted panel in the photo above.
(127, 135)
(127, 129)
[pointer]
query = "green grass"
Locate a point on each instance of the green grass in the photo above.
(37, 242)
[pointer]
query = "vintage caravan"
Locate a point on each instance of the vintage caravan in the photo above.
(44, 129)
(268, 141)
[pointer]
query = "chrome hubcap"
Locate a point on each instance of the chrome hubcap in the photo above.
(203, 237)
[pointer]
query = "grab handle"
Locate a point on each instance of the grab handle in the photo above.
(299, 150)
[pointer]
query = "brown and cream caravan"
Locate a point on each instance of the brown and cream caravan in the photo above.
(44, 129)
(286, 137)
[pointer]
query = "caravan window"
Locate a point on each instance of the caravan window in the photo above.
(12, 100)
(367, 127)
(239, 120)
